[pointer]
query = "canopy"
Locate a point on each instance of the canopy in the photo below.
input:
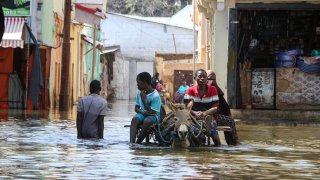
(12, 36)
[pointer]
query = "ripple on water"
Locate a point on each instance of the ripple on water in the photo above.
(47, 148)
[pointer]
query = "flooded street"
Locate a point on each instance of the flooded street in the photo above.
(44, 146)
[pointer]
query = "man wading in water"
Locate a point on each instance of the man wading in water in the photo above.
(90, 113)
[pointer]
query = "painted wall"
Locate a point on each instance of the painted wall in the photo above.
(75, 63)
(55, 66)
(32, 20)
(47, 22)
(101, 4)
(58, 7)
(220, 39)
(88, 31)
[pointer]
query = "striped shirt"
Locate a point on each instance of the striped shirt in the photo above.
(207, 101)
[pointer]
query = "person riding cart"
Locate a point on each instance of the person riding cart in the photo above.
(148, 105)
(206, 101)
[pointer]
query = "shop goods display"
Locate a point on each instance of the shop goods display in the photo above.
(283, 59)
(307, 67)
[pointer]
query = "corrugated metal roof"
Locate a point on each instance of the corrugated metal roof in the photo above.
(182, 19)
(110, 49)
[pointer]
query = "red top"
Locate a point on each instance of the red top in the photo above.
(207, 101)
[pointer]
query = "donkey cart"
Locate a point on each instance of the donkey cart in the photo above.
(179, 128)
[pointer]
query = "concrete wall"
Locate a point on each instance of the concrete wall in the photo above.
(120, 76)
(58, 7)
(271, 116)
(137, 67)
(47, 22)
(140, 39)
(166, 69)
(132, 79)
(220, 41)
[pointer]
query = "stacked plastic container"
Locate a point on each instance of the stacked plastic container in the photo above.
(287, 59)
(310, 64)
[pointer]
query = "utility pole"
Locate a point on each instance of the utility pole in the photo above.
(64, 87)
(194, 38)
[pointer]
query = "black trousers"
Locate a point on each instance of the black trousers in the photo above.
(231, 137)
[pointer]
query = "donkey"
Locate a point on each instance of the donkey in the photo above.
(187, 131)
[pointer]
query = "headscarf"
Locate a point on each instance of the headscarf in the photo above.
(210, 72)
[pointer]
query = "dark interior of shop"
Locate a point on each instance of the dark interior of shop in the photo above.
(262, 34)
(270, 39)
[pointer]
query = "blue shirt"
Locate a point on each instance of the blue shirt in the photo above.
(153, 100)
(183, 89)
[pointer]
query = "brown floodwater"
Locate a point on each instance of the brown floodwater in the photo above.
(43, 145)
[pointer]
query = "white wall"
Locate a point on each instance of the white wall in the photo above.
(140, 39)
(145, 66)
(120, 76)
(33, 18)
(220, 37)
(137, 67)
(58, 7)
(132, 79)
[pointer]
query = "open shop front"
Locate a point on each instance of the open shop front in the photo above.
(277, 56)
(20, 67)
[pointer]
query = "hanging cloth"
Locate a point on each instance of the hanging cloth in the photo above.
(15, 92)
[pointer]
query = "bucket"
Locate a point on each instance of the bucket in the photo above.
(315, 52)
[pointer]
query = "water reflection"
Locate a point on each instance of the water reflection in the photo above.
(43, 145)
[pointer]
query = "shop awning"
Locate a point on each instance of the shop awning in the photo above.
(12, 36)
(90, 40)
(110, 49)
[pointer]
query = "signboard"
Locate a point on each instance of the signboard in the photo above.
(16, 7)
(263, 88)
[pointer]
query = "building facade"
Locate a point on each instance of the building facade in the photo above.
(264, 54)
(140, 38)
